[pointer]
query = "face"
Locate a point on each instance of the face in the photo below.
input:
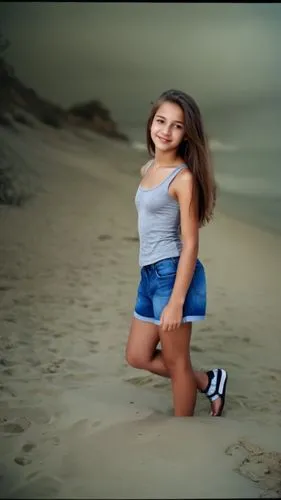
(167, 128)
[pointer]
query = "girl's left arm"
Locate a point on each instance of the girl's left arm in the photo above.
(187, 198)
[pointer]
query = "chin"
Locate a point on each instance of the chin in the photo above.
(163, 147)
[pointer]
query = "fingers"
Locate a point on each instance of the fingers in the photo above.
(167, 324)
(169, 327)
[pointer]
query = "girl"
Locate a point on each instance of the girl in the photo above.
(175, 197)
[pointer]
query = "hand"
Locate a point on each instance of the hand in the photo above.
(171, 317)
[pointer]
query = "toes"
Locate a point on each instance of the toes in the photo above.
(216, 405)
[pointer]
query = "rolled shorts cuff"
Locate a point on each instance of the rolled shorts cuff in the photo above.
(185, 319)
(144, 318)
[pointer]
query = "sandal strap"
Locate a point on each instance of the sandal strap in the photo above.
(210, 374)
(216, 390)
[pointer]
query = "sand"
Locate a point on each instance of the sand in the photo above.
(76, 421)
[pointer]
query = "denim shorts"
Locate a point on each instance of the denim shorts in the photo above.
(155, 288)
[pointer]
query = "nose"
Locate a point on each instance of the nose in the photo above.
(166, 131)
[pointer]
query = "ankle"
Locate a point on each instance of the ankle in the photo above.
(202, 380)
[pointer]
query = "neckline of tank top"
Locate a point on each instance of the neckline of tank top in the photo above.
(141, 188)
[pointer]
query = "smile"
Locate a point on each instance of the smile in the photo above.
(163, 140)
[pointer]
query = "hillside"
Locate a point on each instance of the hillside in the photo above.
(21, 104)
(17, 101)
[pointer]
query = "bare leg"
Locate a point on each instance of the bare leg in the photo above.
(176, 355)
(156, 365)
(142, 353)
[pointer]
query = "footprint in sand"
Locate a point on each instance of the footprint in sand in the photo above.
(6, 389)
(134, 239)
(104, 237)
(5, 362)
(162, 385)
(206, 329)
(196, 348)
(274, 378)
(8, 346)
(74, 380)
(93, 346)
(259, 466)
(141, 380)
(8, 371)
(58, 335)
(53, 367)
(5, 288)
(24, 459)
(27, 447)
(236, 338)
(52, 350)
(18, 426)
(10, 319)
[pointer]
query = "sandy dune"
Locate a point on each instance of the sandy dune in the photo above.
(76, 421)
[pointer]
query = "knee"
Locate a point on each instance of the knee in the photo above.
(134, 360)
(177, 365)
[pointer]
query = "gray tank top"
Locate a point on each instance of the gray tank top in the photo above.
(158, 221)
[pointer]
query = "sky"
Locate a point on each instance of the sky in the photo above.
(227, 56)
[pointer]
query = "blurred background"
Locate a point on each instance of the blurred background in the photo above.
(227, 56)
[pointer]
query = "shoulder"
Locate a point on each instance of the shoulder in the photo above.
(183, 180)
(145, 167)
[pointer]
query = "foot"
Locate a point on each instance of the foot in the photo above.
(216, 407)
(216, 390)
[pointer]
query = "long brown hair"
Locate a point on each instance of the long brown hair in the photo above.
(193, 149)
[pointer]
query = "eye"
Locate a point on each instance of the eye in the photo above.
(179, 126)
(159, 120)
